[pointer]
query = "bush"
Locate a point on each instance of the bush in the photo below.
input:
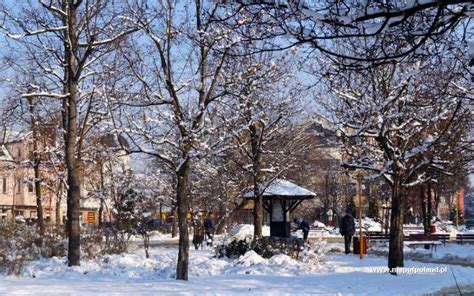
(234, 249)
(265, 247)
(108, 239)
(20, 244)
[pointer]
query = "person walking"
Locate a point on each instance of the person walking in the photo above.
(209, 229)
(347, 230)
(198, 232)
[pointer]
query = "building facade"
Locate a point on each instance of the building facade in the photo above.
(18, 199)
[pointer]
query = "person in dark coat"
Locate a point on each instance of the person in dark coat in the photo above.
(304, 226)
(198, 232)
(209, 229)
(347, 230)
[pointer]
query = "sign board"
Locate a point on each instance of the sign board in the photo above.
(90, 217)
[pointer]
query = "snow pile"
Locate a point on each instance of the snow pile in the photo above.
(162, 265)
(245, 231)
(464, 230)
(314, 256)
(319, 224)
(451, 253)
(369, 224)
(448, 227)
(20, 219)
(319, 229)
(250, 258)
(127, 266)
(252, 263)
(451, 228)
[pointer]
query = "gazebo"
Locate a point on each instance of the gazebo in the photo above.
(280, 198)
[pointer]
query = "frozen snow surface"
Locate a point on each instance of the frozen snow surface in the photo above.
(250, 274)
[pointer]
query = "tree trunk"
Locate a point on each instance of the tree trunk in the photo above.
(430, 208)
(183, 208)
(395, 254)
(424, 214)
(71, 139)
(36, 167)
(58, 204)
(73, 210)
(146, 244)
(258, 216)
(437, 198)
(102, 194)
(39, 206)
(257, 180)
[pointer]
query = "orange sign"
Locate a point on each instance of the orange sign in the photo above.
(90, 217)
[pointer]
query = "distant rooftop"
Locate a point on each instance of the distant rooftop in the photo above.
(325, 136)
(4, 154)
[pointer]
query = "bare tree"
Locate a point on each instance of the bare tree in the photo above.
(332, 27)
(264, 97)
(177, 65)
(65, 39)
(399, 122)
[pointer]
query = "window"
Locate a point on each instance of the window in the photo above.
(18, 185)
(4, 185)
(19, 153)
(30, 187)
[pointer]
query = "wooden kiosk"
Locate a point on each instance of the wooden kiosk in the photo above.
(280, 198)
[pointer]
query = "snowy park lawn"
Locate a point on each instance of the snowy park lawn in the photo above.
(134, 275)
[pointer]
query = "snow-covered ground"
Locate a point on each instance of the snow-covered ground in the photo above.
(451, 253)
(134, 275)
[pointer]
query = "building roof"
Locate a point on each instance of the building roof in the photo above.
(280, 188)
(4, 154)
(324, 135)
